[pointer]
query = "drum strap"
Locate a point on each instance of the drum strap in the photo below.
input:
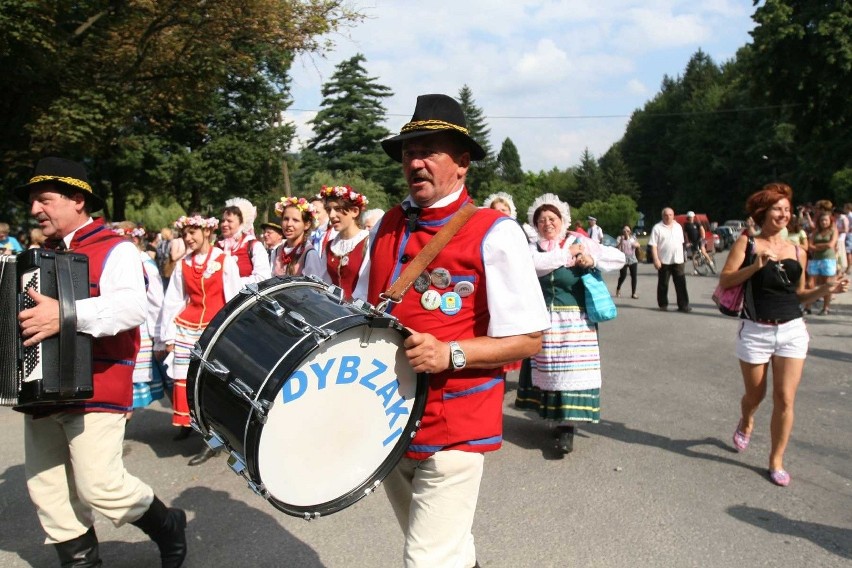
(427, 254)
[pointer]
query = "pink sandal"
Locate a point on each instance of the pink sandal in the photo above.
(779, 477)
(741, 439)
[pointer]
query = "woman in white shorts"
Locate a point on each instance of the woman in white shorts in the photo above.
(772, 332)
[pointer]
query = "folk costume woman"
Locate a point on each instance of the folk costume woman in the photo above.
(147, 381)
(297, 217)
(238, 240)
(566, 374)
(200, 286)
(346, 255)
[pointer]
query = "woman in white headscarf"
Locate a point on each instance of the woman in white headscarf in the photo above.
(566, 374)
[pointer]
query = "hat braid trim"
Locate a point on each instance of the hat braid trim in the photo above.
(70, 181)
(432, 125)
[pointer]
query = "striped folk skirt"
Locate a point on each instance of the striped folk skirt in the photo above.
(147, 381)
(566, 374)
(185, 338)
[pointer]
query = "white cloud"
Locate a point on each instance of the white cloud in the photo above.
(530, 59)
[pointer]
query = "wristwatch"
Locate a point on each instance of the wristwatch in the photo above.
(457, 356)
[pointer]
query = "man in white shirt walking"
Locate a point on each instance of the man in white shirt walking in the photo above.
(595, 232)
(666, 244)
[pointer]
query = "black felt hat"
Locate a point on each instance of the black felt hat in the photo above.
(433, 114)
(273, 226)
(69, 176)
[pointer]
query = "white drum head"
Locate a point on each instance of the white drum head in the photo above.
(337, 418)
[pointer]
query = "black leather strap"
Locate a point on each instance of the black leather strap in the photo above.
(67, 325)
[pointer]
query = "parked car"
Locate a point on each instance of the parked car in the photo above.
(736, 224)
(609, 240)
(727, 236)
(640, 231)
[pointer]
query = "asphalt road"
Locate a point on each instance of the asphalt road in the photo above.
(656, 483)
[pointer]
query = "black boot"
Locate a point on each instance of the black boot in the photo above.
(166, 527)
(565, 439)
(80, 552)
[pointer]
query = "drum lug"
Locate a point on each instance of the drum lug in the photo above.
(214, 441)
(335, 292)
(237, 463)
(261, 408)
(219, 370)
(311, 516)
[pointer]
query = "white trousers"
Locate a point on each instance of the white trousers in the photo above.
(74, 467)
(434, 501)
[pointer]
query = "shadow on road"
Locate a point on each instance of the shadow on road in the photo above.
(533, 433)
(221, 532)
(831, 354)
(835, 540)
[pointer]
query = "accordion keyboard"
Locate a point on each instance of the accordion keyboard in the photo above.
(31, 355)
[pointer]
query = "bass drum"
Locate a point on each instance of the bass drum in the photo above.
(312, 396)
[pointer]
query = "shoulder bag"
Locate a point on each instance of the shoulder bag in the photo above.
(599, 304)
(730, 300)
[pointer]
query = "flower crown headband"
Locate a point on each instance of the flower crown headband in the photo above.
(344, 192)
(300, 203)
(196, 221)
(138, 232)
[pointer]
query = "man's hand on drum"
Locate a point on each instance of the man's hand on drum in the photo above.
(426, 353)
(41, 321)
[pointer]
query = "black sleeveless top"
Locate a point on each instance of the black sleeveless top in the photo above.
(774, 296)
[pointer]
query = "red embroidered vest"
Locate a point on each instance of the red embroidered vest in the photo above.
(242, 253)
(113, 357)
(206, 294)
(464, 409)
(346, 275)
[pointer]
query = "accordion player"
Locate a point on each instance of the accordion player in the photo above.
(59, 368)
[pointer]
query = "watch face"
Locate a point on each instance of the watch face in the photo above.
(458, 359)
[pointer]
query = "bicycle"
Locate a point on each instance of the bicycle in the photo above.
(703, 261)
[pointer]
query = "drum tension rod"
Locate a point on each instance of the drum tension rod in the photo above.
(238, 464)
(307, 327)
(268, 303)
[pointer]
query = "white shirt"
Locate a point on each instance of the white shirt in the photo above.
(596, 233)
(318, 265)
(669, 240)
(515, 302)
(154, 296)
(261, 269)
(122, 302)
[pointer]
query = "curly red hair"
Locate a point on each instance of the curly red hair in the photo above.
(759, 202)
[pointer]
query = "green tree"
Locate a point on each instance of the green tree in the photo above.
(616, 174)
(483, 171)
(612, 213)
(509, 163)
(801, 55)
(348, 128)
(83, 77)
(590, 180)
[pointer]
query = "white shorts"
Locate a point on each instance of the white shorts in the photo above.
(758, 342)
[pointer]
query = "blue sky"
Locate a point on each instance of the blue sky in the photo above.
(521, 59)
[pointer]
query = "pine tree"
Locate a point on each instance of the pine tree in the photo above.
(348, 128)
(482, 171)
(616, 174)
(509, 163)
(590, 180)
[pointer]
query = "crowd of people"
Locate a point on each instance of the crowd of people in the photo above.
(155, 294)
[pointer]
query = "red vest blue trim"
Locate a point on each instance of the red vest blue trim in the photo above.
(113, 357)
(206, 294)
(242, 253)
(464, 409)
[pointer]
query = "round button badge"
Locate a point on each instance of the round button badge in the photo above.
(430, 300)
(451, 303)
(441, 278)
(463, 288)
(421, 284)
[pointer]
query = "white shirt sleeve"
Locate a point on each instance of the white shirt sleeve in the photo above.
(261, 270)
(231, 281)
(122, 301)
(363, 284)
(546, 262)
(174, 302)
(155, 300)
(515, 302)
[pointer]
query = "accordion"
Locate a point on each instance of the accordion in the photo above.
(59, 368)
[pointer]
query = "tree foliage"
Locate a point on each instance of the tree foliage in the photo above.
(612, 213)
(348, 128)
(377, 198)
(509, 163)
(119, 84)
(481, 172)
